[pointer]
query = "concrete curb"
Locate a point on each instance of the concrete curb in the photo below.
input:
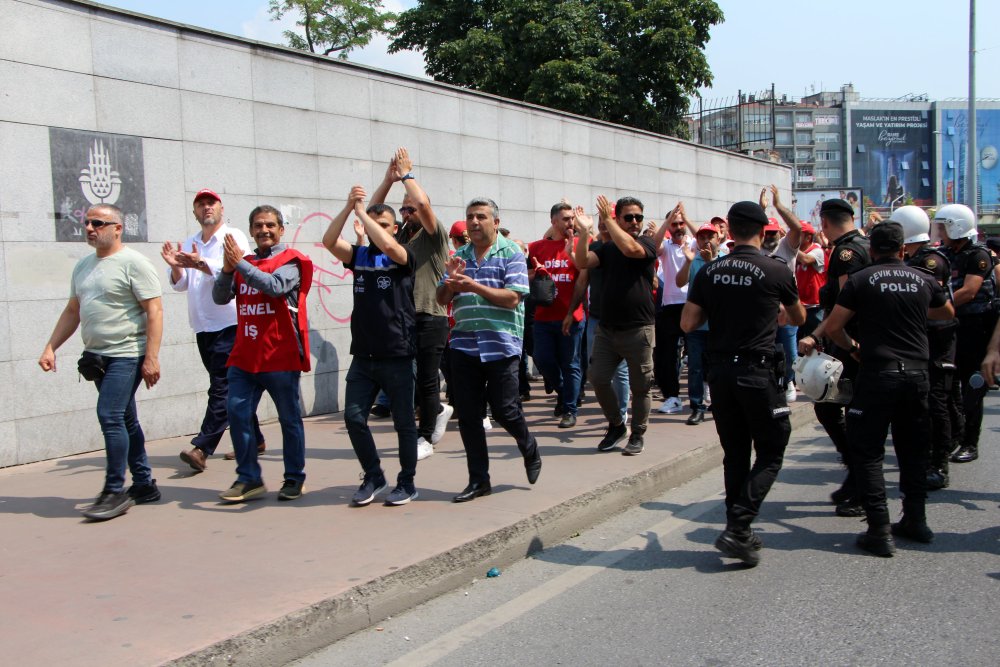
(309, 629)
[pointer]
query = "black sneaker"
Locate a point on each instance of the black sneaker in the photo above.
(108, 505)
(401, 495)
(370, 487)
(634, 446)
(738, 546)
(850, 508)
(611, 437)
(291, 489)
(380, 411)
(879, 544)
(937, 479)
(916, 530)
(144, 493)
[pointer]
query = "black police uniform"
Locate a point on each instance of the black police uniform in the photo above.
(850, 253)
(947, 418)
(740, 294)
(890, 302)
(976, 320)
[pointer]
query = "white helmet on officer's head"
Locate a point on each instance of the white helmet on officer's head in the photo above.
(916, 225)
(959, 221)
(817, 375)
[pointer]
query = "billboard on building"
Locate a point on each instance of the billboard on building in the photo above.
(954, 157)
(91, 168)
(890, 156)
(806, 203)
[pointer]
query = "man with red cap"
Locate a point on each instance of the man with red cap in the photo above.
(193, 266)
(810, 274)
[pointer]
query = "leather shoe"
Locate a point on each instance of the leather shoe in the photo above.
(473, 491)
(231, 456)
(965, 454)
(533, 466)
(697, 417)
(195, 458)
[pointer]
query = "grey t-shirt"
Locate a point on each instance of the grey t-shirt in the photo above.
(111, 291)
(430, 254)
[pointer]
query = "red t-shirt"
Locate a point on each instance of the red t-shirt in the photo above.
(551, 254)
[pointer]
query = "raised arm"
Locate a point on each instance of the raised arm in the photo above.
(582, 257)
(661, 233)
(794, 226)
(333, 237)
(628, 245)
(382, 239)
(403, 166)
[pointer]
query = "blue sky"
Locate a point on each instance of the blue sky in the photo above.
(886, 48)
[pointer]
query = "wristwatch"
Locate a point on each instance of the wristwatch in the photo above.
(409, 175)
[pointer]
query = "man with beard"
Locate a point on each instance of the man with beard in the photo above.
(115, 296)
(193, 266)
(626, 330)
(271, 349)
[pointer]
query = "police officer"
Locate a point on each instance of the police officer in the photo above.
(849, 254)
(739, 296)
(974, 288)
(944, 398)
(891, 303)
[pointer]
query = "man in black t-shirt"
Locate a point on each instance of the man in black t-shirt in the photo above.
(740, 296)
(891, 303)
(850, 253)
(627, 317)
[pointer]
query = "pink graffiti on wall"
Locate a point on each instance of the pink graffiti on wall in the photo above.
(327, 269)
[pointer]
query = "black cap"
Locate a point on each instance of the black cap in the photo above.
(747, 211)
(886, 237)
(839, 205)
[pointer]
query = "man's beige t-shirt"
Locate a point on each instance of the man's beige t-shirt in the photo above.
(430, 253)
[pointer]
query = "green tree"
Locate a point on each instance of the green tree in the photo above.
(633, 62)
(333, 26)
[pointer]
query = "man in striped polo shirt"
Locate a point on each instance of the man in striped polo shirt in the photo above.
(487, 278)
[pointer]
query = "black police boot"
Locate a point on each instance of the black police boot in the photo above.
(877, 540)
(913, 524)
(740, 543)
(965, 454)
(937, 478)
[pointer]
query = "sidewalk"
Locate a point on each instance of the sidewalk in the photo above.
(180, 581)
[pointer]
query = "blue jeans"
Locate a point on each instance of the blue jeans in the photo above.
(697, 341)
(394, 377)
(558, 358)
(619, 382)
(787, 336)
(214, 347)
(124, 442)
(245, 390)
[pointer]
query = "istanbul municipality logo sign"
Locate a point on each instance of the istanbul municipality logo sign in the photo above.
(90, 168)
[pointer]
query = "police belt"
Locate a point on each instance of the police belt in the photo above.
(755, 359)
(898, 365)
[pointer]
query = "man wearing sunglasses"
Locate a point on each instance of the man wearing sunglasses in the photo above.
(627, 316)
(115, 300)
(427, 238)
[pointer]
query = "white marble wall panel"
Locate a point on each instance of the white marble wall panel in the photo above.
(338, 175)
(387, 137)
(517, 193)
(3, 282)
(283, 80)
(345, 93)
(546, 131)
(517, 160)
(392, 103)
(37, 271)
(9, 448)
(138, 109)
(438, 150)
(26, 184)
(437, 111)
(515, 124)
(344, 136)
(5, 333)
(576, 137)
(602, 143)
(281, 174)
(20, 41)
(480, 155)
(281, 128)
(135, 52)
(445, 189)
(482, 119)
(216, 119)
(576, 168)
(206, 65)
(602, 172)
(547, 164)
(647, 178)
(647, 152)
(626, 176)
(169, 209)
(481, 185)
(47, 97)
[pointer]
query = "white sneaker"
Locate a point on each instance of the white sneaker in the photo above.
(442, 423)
(671, 406)
(487, 424)
(791, 393)
(424, 449)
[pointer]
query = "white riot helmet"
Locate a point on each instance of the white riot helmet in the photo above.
(959, 221)
(916, 225)
(817, 375)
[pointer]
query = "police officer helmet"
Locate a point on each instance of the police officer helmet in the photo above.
(959, 221)
(916, 225)
(817, 376)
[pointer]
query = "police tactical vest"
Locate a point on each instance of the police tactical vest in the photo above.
(985, 299)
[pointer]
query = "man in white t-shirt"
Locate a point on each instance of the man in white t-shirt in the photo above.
(671, 256)
(193, 267)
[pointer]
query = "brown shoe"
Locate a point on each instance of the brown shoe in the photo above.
(195, 458)
(231, 456)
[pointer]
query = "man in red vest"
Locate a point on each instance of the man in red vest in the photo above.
(271, 350)
(810, 274)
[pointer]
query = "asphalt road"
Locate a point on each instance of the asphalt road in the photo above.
(648, 588)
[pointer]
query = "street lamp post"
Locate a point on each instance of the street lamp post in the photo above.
(972, 158)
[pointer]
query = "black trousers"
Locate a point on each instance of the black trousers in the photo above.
(432, 334)
(751, 417)
(883, 399)
(475, 382)
(214, 348)
(974, 333)
(668, 336)
(947, 418)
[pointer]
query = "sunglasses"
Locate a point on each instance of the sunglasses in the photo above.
(633, 217)
(676, 225)
(407, 209)
(97, 224)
